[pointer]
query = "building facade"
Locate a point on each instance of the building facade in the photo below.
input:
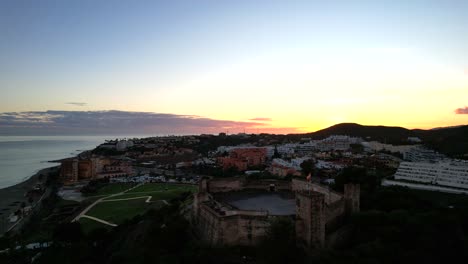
(77, 169)
(244, 158)
(444, 173)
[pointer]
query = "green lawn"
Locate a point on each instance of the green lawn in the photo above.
(112, 188)
(88, 225)
(156, 195)
(119, 211)
(158, 191)
(151, 187)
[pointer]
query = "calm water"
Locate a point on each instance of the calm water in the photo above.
(21, 157)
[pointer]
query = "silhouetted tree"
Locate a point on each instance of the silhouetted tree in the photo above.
(68, 233)
(279, 245)
(308, 166)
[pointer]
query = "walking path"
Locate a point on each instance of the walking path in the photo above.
(100, 200)
(106, 199)
(99, 220)
(148, 200)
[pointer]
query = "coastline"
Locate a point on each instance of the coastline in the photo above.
(13, 196)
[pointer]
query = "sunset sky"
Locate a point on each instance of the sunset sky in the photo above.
(263, 66)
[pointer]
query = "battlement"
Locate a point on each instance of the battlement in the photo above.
(221, 219)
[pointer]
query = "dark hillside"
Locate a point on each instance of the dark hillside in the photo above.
(391, 135)
(452, 141)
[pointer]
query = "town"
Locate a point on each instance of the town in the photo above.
(233, 189)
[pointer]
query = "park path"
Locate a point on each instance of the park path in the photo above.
(148, 199)
(99, 220)
(100, 200)
(106, 199)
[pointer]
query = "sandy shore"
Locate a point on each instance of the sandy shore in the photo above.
(12, 197)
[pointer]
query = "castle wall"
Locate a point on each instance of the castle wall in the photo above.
(334, 214)
(238, 184)
(310, 219)
(225, 185)
(234, 228)
(335, 210)
(301, 185)
(209, 224)
(320, 213)
(246, 230)
(352, 193)
(266, 184)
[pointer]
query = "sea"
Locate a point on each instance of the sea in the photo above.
(23, 156)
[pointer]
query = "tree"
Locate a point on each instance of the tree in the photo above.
(308, 166)
(356, 148)
(68, 233)
(276, 154)
(279, 245)
(351, 175)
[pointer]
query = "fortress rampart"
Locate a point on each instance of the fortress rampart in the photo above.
(319, 212)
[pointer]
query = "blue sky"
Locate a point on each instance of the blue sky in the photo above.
(207, 57)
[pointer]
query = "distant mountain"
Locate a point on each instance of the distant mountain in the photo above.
(437, 128)
(452, 141)
(394, 135)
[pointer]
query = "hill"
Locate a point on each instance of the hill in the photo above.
(391, 135)
(452, 141)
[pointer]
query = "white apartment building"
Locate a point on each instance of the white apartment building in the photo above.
(286, 149)
(422, 154)
(337, 142)
(322, 164)
(222, 149)
(377, 146)
(306, 148)
(445, 173)
(293, 164)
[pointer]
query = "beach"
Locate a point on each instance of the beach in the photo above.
(22, 156)
(13, 196)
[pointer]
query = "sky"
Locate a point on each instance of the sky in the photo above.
(254, 66)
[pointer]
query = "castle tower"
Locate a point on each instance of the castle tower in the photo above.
(352, 194)
(200, 196)
(310, 219)
(203, 185)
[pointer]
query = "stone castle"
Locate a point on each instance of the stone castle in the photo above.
(318, 212)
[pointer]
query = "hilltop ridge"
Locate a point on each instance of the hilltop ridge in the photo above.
(452, 141)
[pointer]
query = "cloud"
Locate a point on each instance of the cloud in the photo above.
(462, 111)
(261, 119)
(76, 103)
(119, 123)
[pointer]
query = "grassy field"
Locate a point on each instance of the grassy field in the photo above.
(166, 195)
(89, 225)
(112, 188)
(119, 211)
(152, 187)
(158, 191)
